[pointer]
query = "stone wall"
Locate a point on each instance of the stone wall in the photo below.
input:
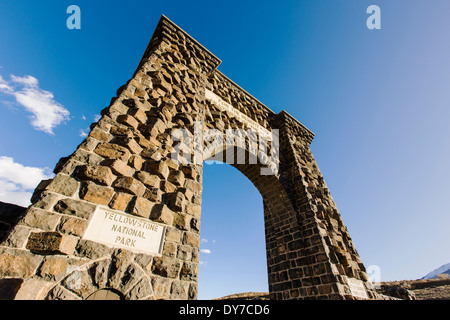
(126, 164)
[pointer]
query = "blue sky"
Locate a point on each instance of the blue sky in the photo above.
(377, 100)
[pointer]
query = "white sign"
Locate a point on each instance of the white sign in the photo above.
(225, 106)
(120, 230)
(357, 288)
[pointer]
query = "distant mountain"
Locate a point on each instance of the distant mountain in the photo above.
(442, 269)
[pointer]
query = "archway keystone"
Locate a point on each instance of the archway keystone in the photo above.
(123, 211)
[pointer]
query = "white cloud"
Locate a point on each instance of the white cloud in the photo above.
(83, 133)
(4, 85)
(46, 112)
(17, 181)
(97, 117)
(205, 251)
(204, 240)
(83, 117)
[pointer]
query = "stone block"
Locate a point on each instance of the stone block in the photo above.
(173, 234)
(136, 162)
(130, 185)
(138, 114)
(166, 267)
(180, 221)
(161, 287)
(54, 268)
(51, 243)
(64, 185)
(195, 186)
(161, 213)
(153, 194)
(191, 239)
(73, 207)
(112, 151)
(128, 120)
(119, 167)
(72, 226)
(99, 174)
(141, 290)
(168, 187)
(158, 168)
(170, 249)
(175, 201)
(18, 263)
(194, 210)
(189, 271)
(150, 180)
(141, 207)
(17, 237)
(178, 290)
(92, 250)
(120, 201)
(40, 219)
(99, 194)
(99, 135)
(129, 143)
(176, 177)
(33, 289)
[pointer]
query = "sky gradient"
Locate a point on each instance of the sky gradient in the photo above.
(377, 100)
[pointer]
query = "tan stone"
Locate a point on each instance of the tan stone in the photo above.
(72, 226)
(173, 234)
(176, 177)
(78, 208)
(33, 289)
(128, 120)
(159, 168)
(194, 210)
(180, 221)
(136, 162)
(191, 239)
(148, 179)
(130, 185)
(138, 114)
(153, 194)
(119, 167)
(129, 143)
(141, 207)
(99, 134)
(99, 174)
(99, 194)
(64, 185)
(120, 201)
(18, 263)
(51, 243)
(168, 187)
(53, 268)
(41, 219)
(160, 213)
(112, 151)
(175, 201)
(166, 267)
(170, 249)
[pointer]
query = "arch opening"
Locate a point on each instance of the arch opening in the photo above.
(232, 249)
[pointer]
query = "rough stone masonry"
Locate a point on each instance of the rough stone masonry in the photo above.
(124, 165)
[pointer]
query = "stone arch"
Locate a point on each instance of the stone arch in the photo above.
(125, 168)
